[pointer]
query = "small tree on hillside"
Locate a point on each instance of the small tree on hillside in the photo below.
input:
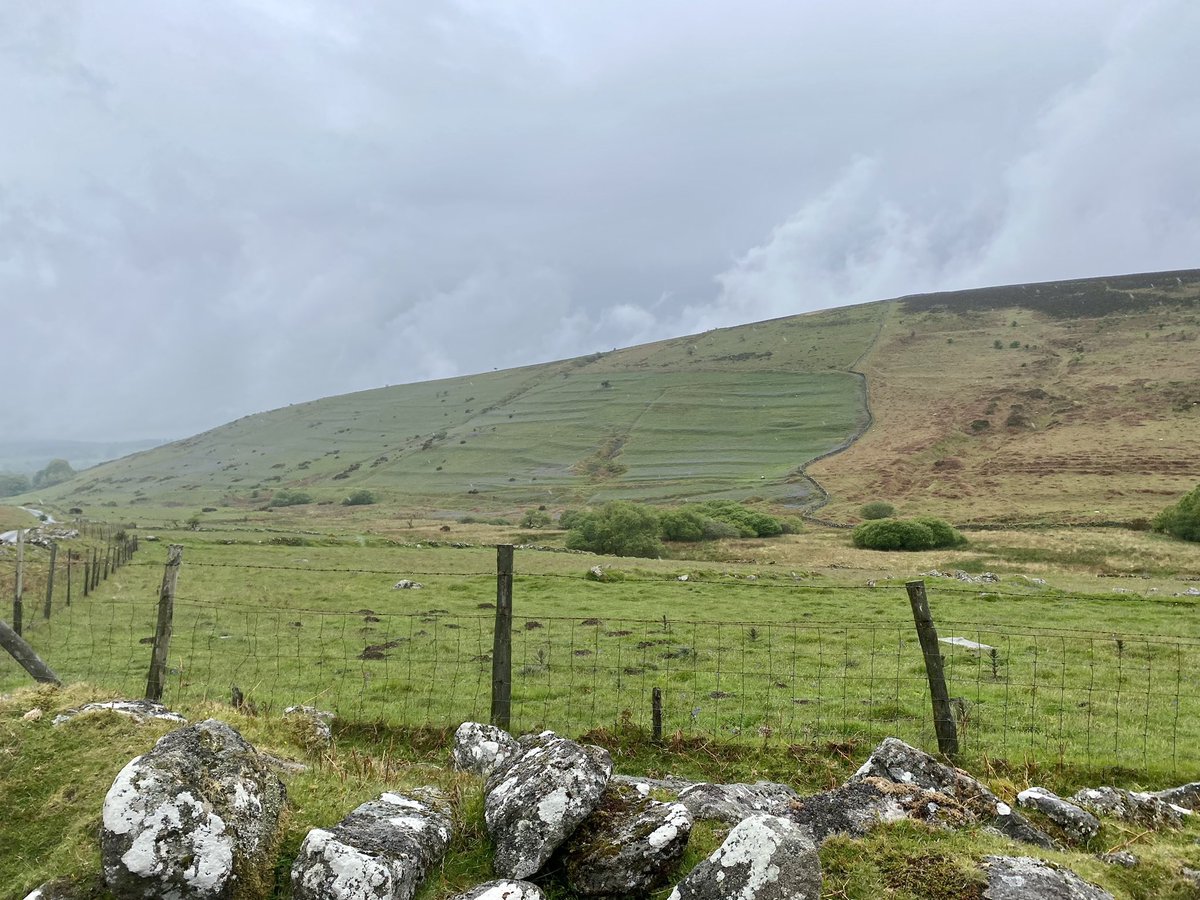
(1182, 519)
(618, 528)
(876, 509)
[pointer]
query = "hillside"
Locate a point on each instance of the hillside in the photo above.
(1067, 400)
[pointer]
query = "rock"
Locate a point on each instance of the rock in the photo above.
(141, 711)
(1119, 858)
(1025, 878)
(382, 849)
(503, 890)
(628, 845)
(535, 800)
(896, 761)
(857, 807)
(405, 584)
(733, 802)
(1131, 806)
(1186, 796)
(312, 724)
(763, 858)
(33, 715)
(480, 749)
(64, 889)
(1079, 825)
(196, 817)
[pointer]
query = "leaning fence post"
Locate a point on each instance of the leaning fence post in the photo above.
(162, 633)
(20, 586)
(502, 639)
(25, 655)
(50, 581)
(943, 716)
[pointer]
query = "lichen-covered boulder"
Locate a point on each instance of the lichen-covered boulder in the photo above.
(763, 858)
(1079, 825)
(141, 711)
(896, 761)
(1026, 878)
(196, 817)
(733, 802)
(481, 749)
(859, 806)
(382, 850)
(535, 800)
(1186, 796)
(628, 845)
(503, 889)
(1131, 806)
(310, 725)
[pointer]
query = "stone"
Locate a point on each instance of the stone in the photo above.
(382, 850)
(141, 711)
(644, 786)
(312, 724)
(1026, 878)
(1122, 858)
(1131, 806)
(195, 817)
(733, 802)
(405, 584)
(503, 889)
(480, 748)
(968, 644)
(630, 844)
(65, 889)
(896, 761)
(1186, 796)
(858, 807)
(1079, 825)
(763, 858)
(538, 797)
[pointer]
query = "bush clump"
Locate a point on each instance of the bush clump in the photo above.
(535, 518)
(876, 509)
(288, 497)
(1182, 519)
(922, 533)
(619, 528)
(361, 497)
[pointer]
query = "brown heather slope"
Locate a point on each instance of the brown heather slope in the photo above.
(1094, 416)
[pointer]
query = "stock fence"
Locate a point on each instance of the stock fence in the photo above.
(1054, 695)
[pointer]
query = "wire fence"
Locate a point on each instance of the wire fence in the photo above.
(1053, 695)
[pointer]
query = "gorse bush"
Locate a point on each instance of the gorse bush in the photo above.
(876, 509)
(618, 528)
(596, 530)
(1182, 519)
(906, 534)
(288, 497)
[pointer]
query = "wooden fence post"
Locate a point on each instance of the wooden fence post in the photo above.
(502, 639)
(656, 714)
(50, 581)
(943, 716)
(70, 556)
(25, 655)
(162, 633)
(95, 568)
(20, 587)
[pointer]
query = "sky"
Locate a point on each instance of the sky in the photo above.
(212, 209)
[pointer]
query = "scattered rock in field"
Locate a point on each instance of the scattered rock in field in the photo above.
(537, 799)
(1025, 878)
(858, 807)
(1079, 825)
(628, 845)
(382, 849)
(34, 715)
(596, 573)
(192, 818)
(404, 584)
(896, 761)
(503, 890)
(1186, 796)
(1122, 858)
(763, 858)
(313, 724)
(141, 711)
(734, 802)
(967, 644)
(481, 749)
(1131, 806)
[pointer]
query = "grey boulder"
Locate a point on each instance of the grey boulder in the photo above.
(894, 760)
(382, 850)
(503, 889)
(1186, 796)
(733, 802)
(312, 725)
(535, 800)
(141, 711)
(628, 845)
(1079, 825)
(763, 858)
(1131, 806)
(481, 749)
(1025, 878)
(859, 806)
(196, 817)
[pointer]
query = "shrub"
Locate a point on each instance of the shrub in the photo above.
(876, 509)
(906, 534)
(1182, 519)
(288, 497)
(535, 518)
(748, 522)
(618, 528)
(569, 517)
(681, 525)
(361, 497)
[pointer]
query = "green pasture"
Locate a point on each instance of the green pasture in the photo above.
(741, 653)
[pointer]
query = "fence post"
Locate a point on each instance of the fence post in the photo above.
(162, 633)
(50, 580)
(95, 568)
(943, 716)
(70, 556)
(502, 639)
(656, 714)
(20, 587)
(25, 655)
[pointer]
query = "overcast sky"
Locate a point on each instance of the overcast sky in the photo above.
(214, 208)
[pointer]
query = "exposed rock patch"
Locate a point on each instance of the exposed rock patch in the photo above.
(1025, 878)
(763, 858)
(733, 802)
(1079, 825)
(140, 711)
(503, 890)
(1131, 806)
(480, 748)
